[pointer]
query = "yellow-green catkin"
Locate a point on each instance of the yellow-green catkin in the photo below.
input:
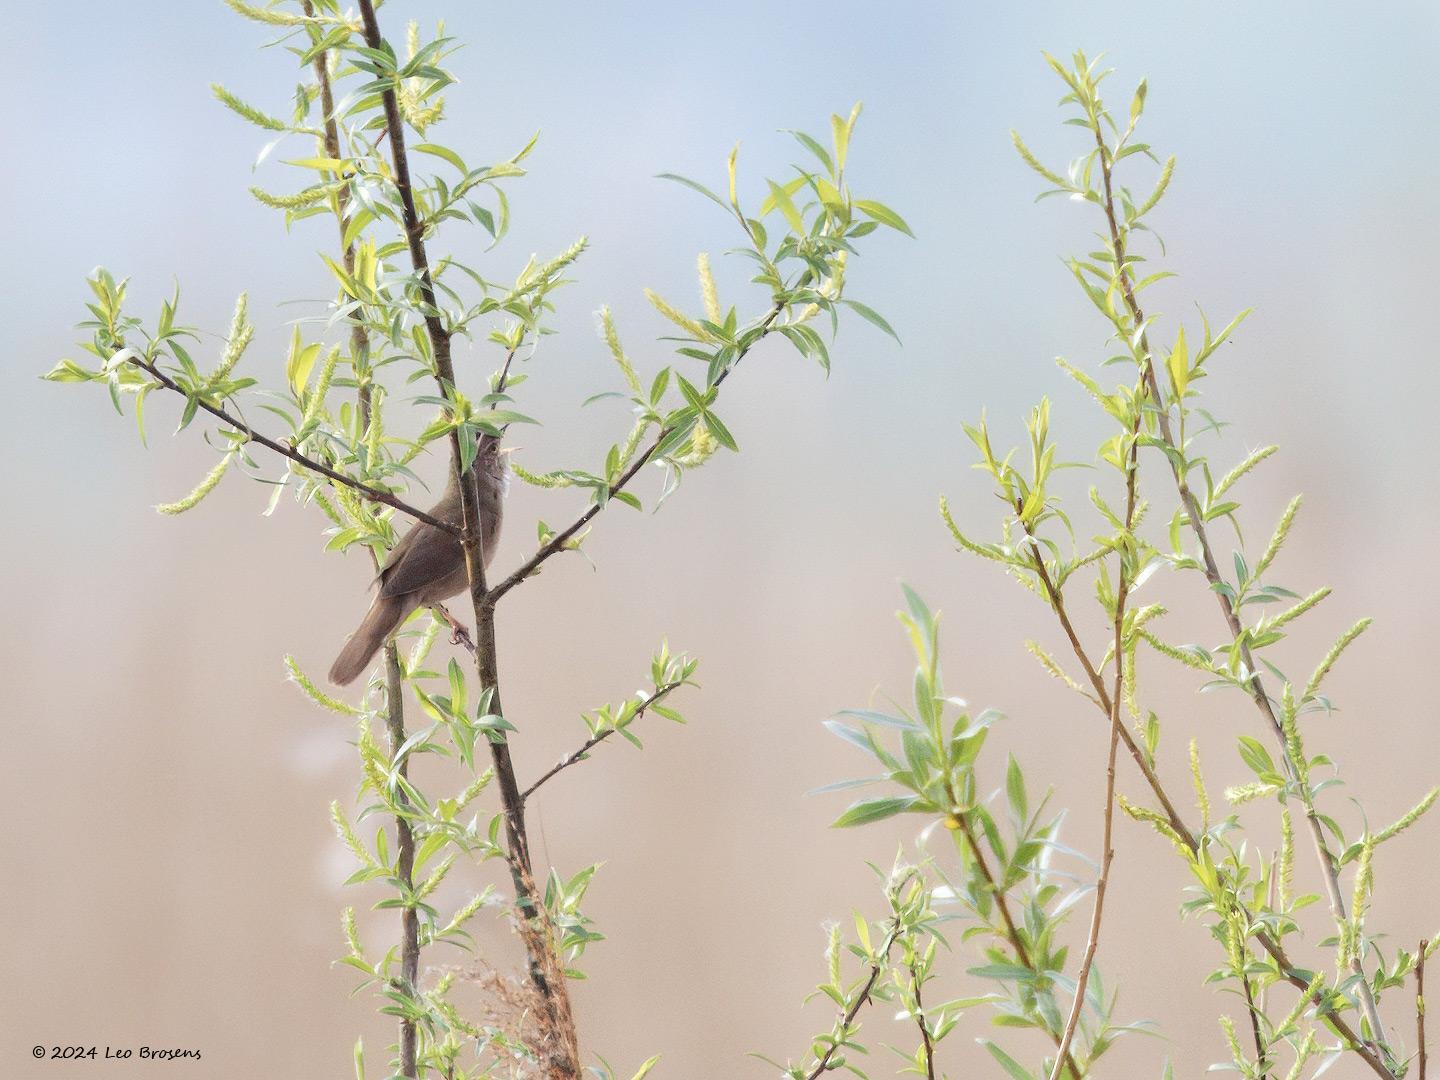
(1158, 193)
(316, 401)
(310, 196)
(466, 913)
(1334, 654)
(352, 935)
(1293, 613)
(676, 316)
(373, 761)
(245, 110)
(1277, 540)
(1410, 818)
(540, 480)
(268, 15)
(708, 292)
(617, 353)
(1202, 797)
(207, 485)
(346, 832)
(1235, 474)
(472, 792)
(314, 693)
(1286, 878)
(702, 446)
(431, 883)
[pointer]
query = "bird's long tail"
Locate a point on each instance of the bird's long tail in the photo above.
(383, 619)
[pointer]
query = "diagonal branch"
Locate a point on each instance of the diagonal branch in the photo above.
(561, 539)
(1012, 934)
(1122, 595)
(374, 494)
(596, 739)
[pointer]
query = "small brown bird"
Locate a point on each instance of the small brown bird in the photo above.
(427, 566)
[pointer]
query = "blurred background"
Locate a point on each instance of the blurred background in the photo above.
(171, 874)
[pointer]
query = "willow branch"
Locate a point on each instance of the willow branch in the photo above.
(1012, 934)
(374, 494)
(847, 1018)
(1328, 869)
(596, 739)
(1420, 1008)
(561, 539)
(1122, 595)
(925, 1041)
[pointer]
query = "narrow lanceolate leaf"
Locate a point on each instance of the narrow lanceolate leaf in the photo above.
(862, 813)
(870, 315)
(883, 214)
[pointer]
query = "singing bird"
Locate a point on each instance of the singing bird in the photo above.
(427, 566)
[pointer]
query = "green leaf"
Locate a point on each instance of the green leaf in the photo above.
(442, 152)
(1178, 364)
(872, 316)
(1012, 1067)
(645, 1069)
(863, 813)
(883, 214)
(692, 185)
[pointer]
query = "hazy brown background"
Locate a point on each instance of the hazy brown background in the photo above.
(170, 873)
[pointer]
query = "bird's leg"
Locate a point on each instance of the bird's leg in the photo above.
(459, 634)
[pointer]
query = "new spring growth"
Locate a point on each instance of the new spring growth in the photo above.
(207, 485)
(348, 837)
(676, 316)
(314, 693)
(612, 341)
(1286, 878)
(1282, 531)
(708, 293)
(316, 398)
(1202, 798)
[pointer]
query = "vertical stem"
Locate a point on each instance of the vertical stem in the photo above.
(405, 859)
(1420, 1007)
(394, 676)
(1253, 1015)
(1122, 596)
(559, 1050)
(926, 1044)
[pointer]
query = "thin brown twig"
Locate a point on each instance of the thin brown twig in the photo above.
(1012, 934)
(1253, 1014)
(925, 1041)
(1420, 1008)
(596, 739)
(1328, 867)
(394, 674)
(853, 1009)
(1122, 595)
(374, 494)
(560, 540)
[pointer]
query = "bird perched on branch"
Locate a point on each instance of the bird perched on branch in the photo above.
(427, 566)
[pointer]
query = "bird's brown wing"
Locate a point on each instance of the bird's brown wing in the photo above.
(423, 557)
